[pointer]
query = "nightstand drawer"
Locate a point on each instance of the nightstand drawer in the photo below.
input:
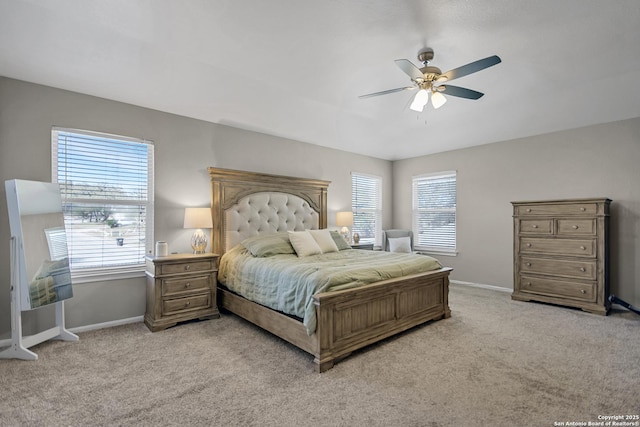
(555, 267)
(186, 267)
(179, 305)
(585, 291)
(569, 247)
(185, 284)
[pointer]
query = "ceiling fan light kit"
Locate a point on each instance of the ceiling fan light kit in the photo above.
(429, 79)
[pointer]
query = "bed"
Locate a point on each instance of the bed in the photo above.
(248, 204)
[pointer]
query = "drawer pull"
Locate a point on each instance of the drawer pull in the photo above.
(583, 248)
(583, 269)
(575, 227)
(535, 225)
(528, 283)
(528, 245)
(187, 285)
(187, 267)
(187, 304)
(528, 209)
(583, 209)
(528, 264)
(582, 291)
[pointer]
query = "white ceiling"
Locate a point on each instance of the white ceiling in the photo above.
(295, 68)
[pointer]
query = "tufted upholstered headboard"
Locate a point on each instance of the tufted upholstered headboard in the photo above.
(246, 204)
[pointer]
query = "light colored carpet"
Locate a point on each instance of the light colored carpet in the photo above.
(495, 362)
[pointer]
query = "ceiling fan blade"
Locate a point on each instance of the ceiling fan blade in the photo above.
(472, 67)
(386, 92)
(459, 92)
(410, 69)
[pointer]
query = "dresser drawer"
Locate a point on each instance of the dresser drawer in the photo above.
(576, 227)
(186, 267)
(179, 305)
(556, 267)
(584, 291)
(185, 284)
(569, 247)
(557, 210)
(536, 226)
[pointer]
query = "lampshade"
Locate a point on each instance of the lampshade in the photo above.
(198, 218)
(438, 99)
(344, 219)
(420, 100)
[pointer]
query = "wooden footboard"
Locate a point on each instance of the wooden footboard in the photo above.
(354, 318)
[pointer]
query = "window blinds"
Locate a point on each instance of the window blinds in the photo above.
(434, 212)
(106, 184)
(366, 202)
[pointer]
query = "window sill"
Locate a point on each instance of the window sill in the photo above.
(104, 274)
(436, 253)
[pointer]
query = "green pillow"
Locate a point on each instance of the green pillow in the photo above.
(340, 242)
(268, 245)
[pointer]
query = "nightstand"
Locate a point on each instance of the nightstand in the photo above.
(180, 287)
(366, 246)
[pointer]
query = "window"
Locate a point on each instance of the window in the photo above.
(434, 212)
(106, 184)
(366, 203)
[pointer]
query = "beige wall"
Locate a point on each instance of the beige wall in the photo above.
(184, 148)
(596, 161)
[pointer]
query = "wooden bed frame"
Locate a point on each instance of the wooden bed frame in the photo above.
(346, 320)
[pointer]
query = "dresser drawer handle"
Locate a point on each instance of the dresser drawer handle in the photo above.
(584, 248)
(583, 209)
(528, 283)
(528, 209)
(582, 291)
(535, 225)
(528, 245)
(187, 267)
(575, 227)
(187, 304)
(583, 269)
(528, 264)
(187, 285)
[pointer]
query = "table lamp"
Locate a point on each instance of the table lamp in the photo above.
(345, 220)
(198, 218)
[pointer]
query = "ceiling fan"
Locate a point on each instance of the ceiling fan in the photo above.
(430, 79)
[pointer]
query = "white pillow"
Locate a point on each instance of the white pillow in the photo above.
(324, 240)
(304, 243)
(400, 244)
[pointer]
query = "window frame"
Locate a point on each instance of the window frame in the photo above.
(377, 211)
(450, 250)
(95, 274)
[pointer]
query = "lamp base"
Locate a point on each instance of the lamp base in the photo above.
(345, 233)
(199, 242)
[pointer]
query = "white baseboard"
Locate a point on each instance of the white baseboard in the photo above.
(481, 285)
(94, 327)
(104, 325)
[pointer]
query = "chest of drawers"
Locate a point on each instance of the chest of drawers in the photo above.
(180, 287)
(561, 253)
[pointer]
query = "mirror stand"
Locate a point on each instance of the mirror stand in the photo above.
(19, 348)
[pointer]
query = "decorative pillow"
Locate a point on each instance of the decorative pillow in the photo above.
(324, 240)
(268, 245)
(400, 244)
(303, 243)
(339, 241)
